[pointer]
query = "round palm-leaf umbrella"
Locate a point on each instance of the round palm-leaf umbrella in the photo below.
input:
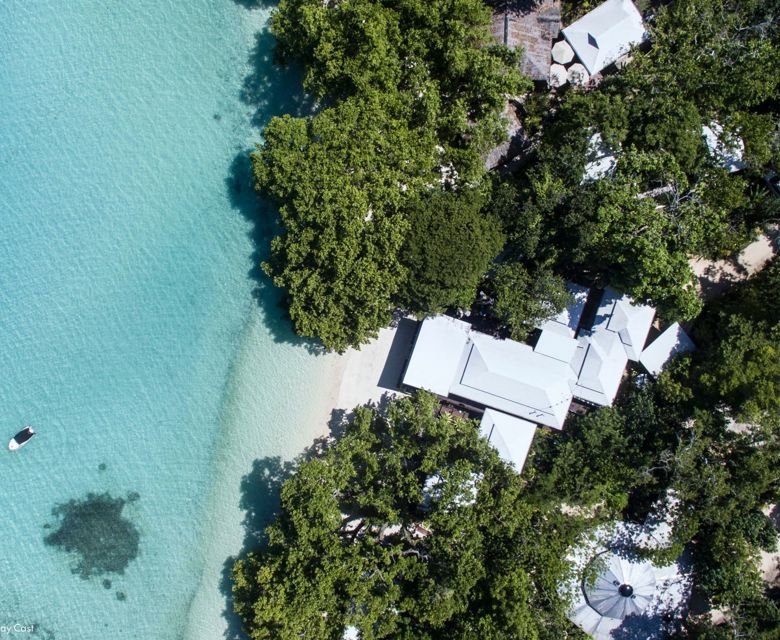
(578, 74)
(558, 76)
(562, 52)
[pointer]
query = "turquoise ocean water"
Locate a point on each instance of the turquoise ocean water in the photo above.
(125, 298)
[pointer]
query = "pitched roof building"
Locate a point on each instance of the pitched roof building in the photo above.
(605, 34)
(534, 383)
(631, 322)
(671, 342)
(510, 436)
(599, 363)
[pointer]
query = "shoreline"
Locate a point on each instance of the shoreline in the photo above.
(332, 385)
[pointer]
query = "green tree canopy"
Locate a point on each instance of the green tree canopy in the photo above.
(340, 180)
(361, 541)
(412, 94)
(450, 245)
(440, 52)
(524, 299)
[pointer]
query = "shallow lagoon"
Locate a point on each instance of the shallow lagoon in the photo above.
(131, 335)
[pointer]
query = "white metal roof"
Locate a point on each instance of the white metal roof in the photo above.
(728, 153)
(569, 318)
(603, 35)
(632, 322)
(511, 377)
(510, 436)
(606, 559)
(599, 363)
(672, 341)
(556, 345)
(436, 354)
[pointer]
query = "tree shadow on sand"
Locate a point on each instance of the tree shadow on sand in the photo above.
(260, 501)
(269, 90)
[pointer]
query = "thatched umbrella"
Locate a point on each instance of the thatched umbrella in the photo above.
(578, 74)
(558, 76)
(562, 52)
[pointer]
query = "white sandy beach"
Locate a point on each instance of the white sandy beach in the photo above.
(331, 385)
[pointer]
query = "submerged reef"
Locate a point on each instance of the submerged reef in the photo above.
(94, 529)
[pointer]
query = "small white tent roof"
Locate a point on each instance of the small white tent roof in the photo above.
(437, 352)
(728, 154)
(602, 160)
(562, 52)
(632, 322)
(599, 363)
(510, 436)
(603, 35)
(558, 76)
(351, 633)
(672, 341)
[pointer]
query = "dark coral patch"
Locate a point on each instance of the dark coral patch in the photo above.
(94, 529)
(121, 596)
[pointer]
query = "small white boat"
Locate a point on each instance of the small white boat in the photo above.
(21, 439)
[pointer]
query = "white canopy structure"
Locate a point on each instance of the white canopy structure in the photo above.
(605, 34)
(577, 75)
(727, 153)
(511, 437)
(599, 364)
(627, 596)
(568, 321)
(632, 322)
(433, 490)
(671, 342)
(351, 633)
(624, 587)
(626, 593)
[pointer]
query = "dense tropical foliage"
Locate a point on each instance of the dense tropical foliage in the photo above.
(409, 526)
(410, 95)
(384, 203)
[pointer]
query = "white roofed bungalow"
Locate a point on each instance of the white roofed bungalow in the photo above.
(536, 383)
(599, 364)
(514, 378)
(727, 151)
(511, 437)
(660, 351)
(437, 352)
(631, 322)
(605, 34)
(452, 360)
